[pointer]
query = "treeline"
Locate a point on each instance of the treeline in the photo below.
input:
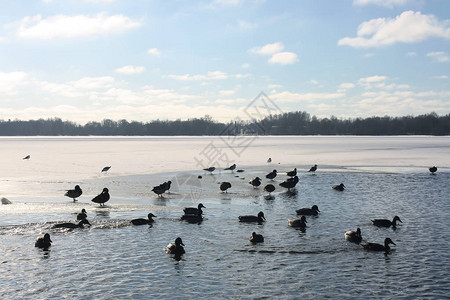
(291, 123)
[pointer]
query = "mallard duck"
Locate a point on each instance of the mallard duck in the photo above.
(290, 183)
(272, 175)
(386, 222)
(255, 182)
(269, 188)
(432, 169)
(210, 169)
(82, 215)
(256, 238)
(43, 242)
(378, 247)
(75, 193)
(224, 186)
(298, 223)
(102, 198)
(141, 221)
(339, 187)
(72, 225)
(313, 169)
(231, 168)
(313, 211)
(259, 218)
(354, 236)
(176, 248)
(194, 210)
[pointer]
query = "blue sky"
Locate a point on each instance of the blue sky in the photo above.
(88, 60)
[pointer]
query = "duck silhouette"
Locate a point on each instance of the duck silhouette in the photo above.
(354, 236)
(102, 198)
(272, 175)
(141, 221)
(292, 173)
(105, 169)
(75, 193)
(339, 187)
(43, 242)
(386, 222)
(269, 188)
(433, 170)
(176, 248)
(255, 182)
(82, 215)
(256, 238)
(194, 210)
(210, 169)
(298, 223)
(231, 168)
(378, 247)
(313, 211)
(250, 218)
(290, 183)
(26, 157)
(313, 169)
(224, 186)
(72, 225)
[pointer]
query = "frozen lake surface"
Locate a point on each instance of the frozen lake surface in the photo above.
(384, 176)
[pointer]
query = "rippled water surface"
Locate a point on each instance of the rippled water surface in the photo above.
(113, 259)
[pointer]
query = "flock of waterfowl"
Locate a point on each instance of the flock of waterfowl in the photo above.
(195, 214)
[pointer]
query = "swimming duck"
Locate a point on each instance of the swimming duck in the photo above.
(256, 238)
(43, 242)
(290, 183)
(313, 169)
(292, 173)
(194, 210)
(210, 169)
(432, 169)
(75, 193)
(339, 187)
(105, 169)
(141, 221)
(313, 211)
(72, 225)
(255, 182)
(259, 218)
(82, 215)
(269, 188)
(176, 248)
(378, 247)
(231, 168)
(354, 236)
(386, 223)
(272, 175)
(224, 186)
(298, 223)
(102, 198)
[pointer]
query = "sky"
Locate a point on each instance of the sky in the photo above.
(142, 60)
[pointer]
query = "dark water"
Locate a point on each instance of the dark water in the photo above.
(115, 260)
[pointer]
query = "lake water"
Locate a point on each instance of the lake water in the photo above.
(384, 177)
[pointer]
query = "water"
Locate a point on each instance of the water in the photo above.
(384, 176)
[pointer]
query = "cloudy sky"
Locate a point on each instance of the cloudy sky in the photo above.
(88, 60)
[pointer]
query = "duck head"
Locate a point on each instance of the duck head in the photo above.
(261, 215)
(178, 242)
(396, 218)
(315, 207)
(47, 238)
(150, 215)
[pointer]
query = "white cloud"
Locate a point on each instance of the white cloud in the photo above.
(409, 27)
(245, 66)
(411, 54)
(268, 49)
(130, 70)
(372, 79)
(313, 81)
(212, 75)
(385, 3)
(10, 82)
(62, 26)
(92, 83)
(441, 77)
(439, 56)
(284, 58)
(227, 93)
(287, 96)
(154, 51)
(346, 85)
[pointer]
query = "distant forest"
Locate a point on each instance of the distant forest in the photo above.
(291, 123)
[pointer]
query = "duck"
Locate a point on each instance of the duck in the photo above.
(269, 188)
(194, 210)
(354, 236)
(290, 183)
(272, 175)
(43, 242)
(82, 215)
(298, 223)
(224, 186)
(26, 157)
(256, 238)
(386, 222)
(141, 221)
(105, 169)
(72, 225)
(249, 218)
(313, 211)
(102, 198)
(75, 193)
(176, 248)
(159, 190)
(269, 160)
(292, 173)
(210, 169)
(255, 182)
(313, 169)
(378, 247)
(432, 169)
(231, 168)
(193, 219)
(339, 187)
